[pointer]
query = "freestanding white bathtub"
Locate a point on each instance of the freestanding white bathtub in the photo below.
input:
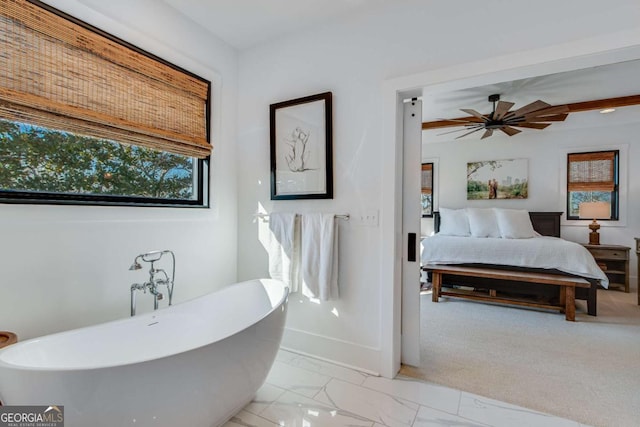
(196, 363)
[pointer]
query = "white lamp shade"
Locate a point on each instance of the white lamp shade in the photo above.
(595, 210)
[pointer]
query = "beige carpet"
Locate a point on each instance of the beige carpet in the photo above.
(588, 370)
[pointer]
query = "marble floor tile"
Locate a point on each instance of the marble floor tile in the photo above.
(500, 414)
(294, 410)
(426, 394)
(296, 379)
(246, 419)
(304, 392)
(265, 396)
(371, 404)
(326, 368)
(428, 417)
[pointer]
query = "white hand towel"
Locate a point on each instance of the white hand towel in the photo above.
(319, 256)
(283, 248)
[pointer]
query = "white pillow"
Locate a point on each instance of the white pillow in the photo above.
(514, 223)
(454, 222)
(483, 222)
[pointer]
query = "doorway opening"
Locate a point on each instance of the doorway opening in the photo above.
(438, 85)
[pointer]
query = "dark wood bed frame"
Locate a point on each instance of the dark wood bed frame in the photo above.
(547, 224)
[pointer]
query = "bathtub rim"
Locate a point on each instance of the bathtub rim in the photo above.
(7, 365)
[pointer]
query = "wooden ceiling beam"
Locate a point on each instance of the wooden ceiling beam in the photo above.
(600, 104)
(576, 107)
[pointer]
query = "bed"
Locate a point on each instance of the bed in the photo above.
(538, 249)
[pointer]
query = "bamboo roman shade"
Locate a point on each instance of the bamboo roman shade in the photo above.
(59, 74)
(427, 178)
(591, 171)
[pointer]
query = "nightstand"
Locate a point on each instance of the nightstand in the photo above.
(614, 262)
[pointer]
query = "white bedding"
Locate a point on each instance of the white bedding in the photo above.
(538, 252)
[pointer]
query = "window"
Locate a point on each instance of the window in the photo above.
(88, 118)
(592, 176)
(427, 190)
(40, 164)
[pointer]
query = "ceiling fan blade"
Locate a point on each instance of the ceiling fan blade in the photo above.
(457, 120)
(487, 133)
(469, 133)
(548, 111)
(474, 113)
(502, 108)
(553, 118)
(534, 106)
(460, 130)
(509, 130)
(532, 125)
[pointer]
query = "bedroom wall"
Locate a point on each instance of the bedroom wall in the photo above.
(353, 57)
(67, 266)
(546, 152)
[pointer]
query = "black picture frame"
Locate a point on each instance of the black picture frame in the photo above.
(301, 138)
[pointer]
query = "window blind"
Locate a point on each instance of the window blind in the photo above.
(427, 178)
(591, 171)
(62, 74)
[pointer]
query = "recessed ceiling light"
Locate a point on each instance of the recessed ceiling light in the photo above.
(607, 110)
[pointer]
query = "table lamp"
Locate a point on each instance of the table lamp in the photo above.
(594, 210)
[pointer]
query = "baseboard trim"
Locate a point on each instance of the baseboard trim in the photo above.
(335, 362)
(343, 353)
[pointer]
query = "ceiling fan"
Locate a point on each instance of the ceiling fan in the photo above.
(535, 115)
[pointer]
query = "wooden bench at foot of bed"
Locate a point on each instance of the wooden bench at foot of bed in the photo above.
(567, 286)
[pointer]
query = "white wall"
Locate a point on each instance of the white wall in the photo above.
(67, 266)
(546, 152)
(353, 58)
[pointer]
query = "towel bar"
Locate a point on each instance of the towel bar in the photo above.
(346, 217)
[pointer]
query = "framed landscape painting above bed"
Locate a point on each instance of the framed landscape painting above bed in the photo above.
(498, 179)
